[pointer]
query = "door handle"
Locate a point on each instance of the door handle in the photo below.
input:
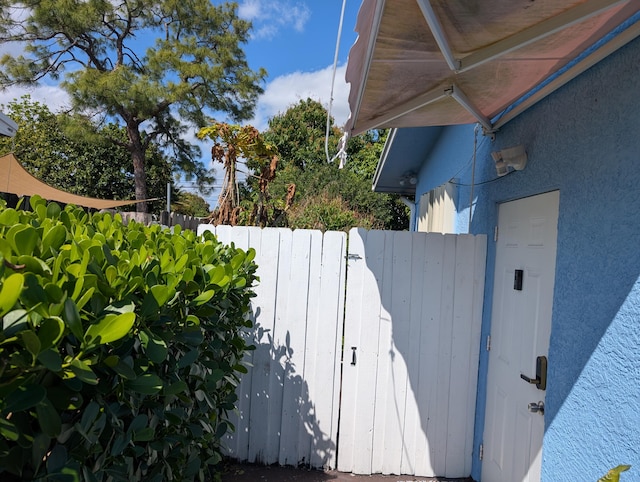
(540, 381)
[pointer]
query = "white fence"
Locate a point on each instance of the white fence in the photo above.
(288, 409)
(413, 308)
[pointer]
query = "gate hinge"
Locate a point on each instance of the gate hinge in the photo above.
(495, 234)
(481, 452)
(488, 342)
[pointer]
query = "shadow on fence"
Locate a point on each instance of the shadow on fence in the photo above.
(277, 421)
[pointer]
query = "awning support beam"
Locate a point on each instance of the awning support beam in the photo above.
(460, 97)
(438, 33)
(398, 111)
(536, 32)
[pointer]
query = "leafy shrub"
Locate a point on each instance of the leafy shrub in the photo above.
(327, 214)
(120, 346)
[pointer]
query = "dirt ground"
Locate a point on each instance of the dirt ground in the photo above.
(234, 472)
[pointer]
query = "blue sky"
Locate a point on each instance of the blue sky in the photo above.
(294, 40)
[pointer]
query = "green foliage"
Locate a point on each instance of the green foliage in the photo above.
(299, 134)
(325, 194)
(614, 474)
(71, 153)
(325, 213)
(364, 152)
(193, 66)
(120, 347)
(351, 192)
(191, 205)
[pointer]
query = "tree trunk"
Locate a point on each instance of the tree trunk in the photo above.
(139, 174)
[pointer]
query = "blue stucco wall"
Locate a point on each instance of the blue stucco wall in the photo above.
(585, 141)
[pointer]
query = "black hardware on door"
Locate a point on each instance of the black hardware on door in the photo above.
(540, 380)
(517, 280)
(353, 355)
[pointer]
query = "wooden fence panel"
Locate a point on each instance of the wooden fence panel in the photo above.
(413, 315)
(288, 407)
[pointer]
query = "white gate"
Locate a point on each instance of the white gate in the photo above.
(413, 309)
(412, 338)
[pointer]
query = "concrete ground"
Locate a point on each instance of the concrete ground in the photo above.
(236, 472)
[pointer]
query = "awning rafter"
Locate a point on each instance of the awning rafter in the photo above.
(438, 34)
(537, 32)
(500, 56)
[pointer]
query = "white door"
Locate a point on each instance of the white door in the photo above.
(520, 328)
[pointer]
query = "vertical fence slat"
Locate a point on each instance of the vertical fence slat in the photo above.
(349, 434)
(397, 283)
(267, 258)
(243, 237)
(415, 440)
(479, 273)
(464, 342)
(328, 338)
(367, 311)
(294, 343)
(381, 266)
(429, 347)
(278, 350)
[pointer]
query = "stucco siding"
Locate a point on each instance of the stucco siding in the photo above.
(583, 140)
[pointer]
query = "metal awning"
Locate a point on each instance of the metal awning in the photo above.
(445, 62)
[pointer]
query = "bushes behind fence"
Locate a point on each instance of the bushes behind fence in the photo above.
(121, 346)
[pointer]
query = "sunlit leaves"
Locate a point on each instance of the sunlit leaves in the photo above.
(10, 292)
(111, 328)
(124, 343)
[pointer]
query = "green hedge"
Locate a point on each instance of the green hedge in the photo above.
(121, 346)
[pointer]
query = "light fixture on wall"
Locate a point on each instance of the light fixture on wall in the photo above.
(514, 157)
(409, 179)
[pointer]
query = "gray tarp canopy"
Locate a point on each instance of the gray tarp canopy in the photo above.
(444, 62)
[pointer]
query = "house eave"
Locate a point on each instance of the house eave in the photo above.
(403, 154)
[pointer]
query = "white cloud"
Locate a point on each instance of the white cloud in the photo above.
(287, 90)
(250, 9)
(271, 16)
(52, 96)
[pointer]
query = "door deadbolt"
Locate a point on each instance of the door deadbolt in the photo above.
(537, 407)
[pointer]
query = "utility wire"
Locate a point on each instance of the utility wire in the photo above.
(333, 81)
